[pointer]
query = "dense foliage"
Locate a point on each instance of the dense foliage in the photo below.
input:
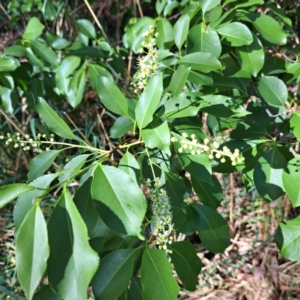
(212, 92)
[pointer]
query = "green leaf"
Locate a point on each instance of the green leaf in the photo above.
(237, 34)
(291, 179)
(202, 38)
(10, 192)
(33, 29)
(44, 52)
(40, 164)
(212, 228)
(52, 120)
(201, 61)
(180, 30)
(86, 27)
(129, 165)
(187, 263)
(71, 169)
(273, 90)
(46, 293)
(165, 34)
(8, 64)
(32, 250)
(246, 130)
(111, 96)
(96, 71)
(209, 194)
(178, 80)
(175, 189)
(135, 290)
(148, 102)
(288, 239)
(183, 105)
(157, 135)
(207, 5)
(121, 195)
(268, 27)
(114, 274)
(268, 174)
(121, 126)
(295, 124)
(252, 56)
(15, 50)
(156, 276)
(72, 262)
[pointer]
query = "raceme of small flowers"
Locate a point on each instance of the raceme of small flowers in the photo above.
(27, 142)
(148, 63)
(211, 149)
(161, 222)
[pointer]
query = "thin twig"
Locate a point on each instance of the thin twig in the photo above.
(9, 120)
(96, 19)
(140, 8)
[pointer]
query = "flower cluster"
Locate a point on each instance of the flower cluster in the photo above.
(27, 142)
(210, 148)
(148, 63)
(161, 222)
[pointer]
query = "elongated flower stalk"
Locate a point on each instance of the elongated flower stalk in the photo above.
(161, 222)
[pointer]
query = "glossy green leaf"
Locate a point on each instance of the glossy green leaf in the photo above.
(252, 56)
(288, 239)
(165, 34)
(15, 50)
(114, 274)
(33, 29)
(214, 14)
(71, 169)
(129, 165)
(111, 96)
(180, 30)
(32, 250)
(52, 120)
(148, 102)
(156, 276)
(295, 124)
(268, 27)
(96, 71)
(8, 64)
(72, 262)
(135, 290)
(121, 126)
(207, 5)
(33, 59)
(237, 34)
(86, 27)
(175, 189)
(291, 179)
(41, 163)
(160, 5)
(178, 80)
(10, 192)
(201, 61)
(60, 44)
(121, 195)
(157, 135)
(46, 293)
(248, 131)
(268, 174)
(273, 90)
(44, 52)
(212, 228)
(209, 194)
(242, 3)
(202, 38)
(187, 264)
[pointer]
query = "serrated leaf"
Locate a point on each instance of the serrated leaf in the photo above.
(288, 239)
(114, 274)
(237, 34)
(121, 126)
(202, 38)
(33, 29)
(148, 102)
(180, 30)
(178, 80)
(156, 276)
(86, 27)
(273, 90)
(291, 179)
(32, 250)
(201, 61)
(295, 124)
(268, 174)
(72, 262)
(10, 192)
(252, 56)
(212, 228)
(40, 164)
(52, 120)
(121, 195)
(187, 264)
(157, 135)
